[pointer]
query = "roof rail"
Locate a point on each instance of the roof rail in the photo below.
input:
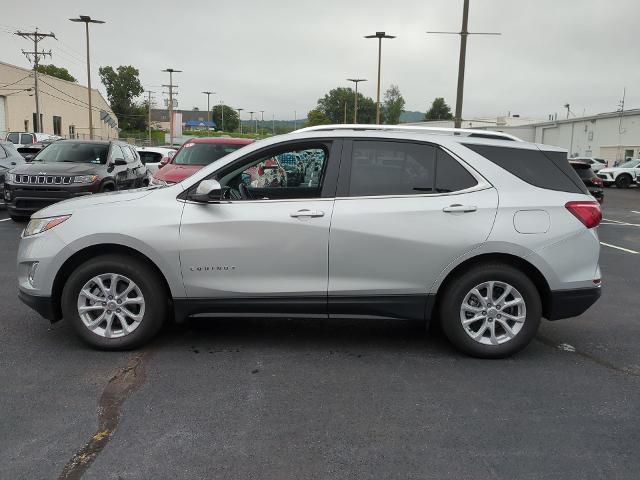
(414, 128)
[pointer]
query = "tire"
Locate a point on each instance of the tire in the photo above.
(623, 181)
(152, 311)
(107, 188)
(19, 218)
(459, 293)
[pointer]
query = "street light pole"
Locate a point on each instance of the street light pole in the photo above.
(222, 115)
(208, 94)
(171, 71)
(239, 119)
(86, 19)
(464, 33)
(355, 104)
(379, 36)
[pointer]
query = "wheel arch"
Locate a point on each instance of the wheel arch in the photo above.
(536, 276)
(88, 253)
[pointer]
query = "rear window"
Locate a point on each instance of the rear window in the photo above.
(584, 171)
(27, 138)
(150, 157)
(544, 169)
(14, 137)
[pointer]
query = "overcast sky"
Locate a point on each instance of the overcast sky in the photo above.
(282, 55)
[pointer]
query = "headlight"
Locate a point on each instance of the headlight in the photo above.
(158, 182)
(39, 225)
(84, 178)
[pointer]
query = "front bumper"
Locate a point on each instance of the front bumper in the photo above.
(25, 200)
(571, 303)
(43, 305)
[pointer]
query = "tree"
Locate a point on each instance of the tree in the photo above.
(439, 110)
(332, 105)
(393, 105)
(316, 117)
(123, 86)
(230, 117)
(58, 72)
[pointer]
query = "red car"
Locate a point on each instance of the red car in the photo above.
(195, 154)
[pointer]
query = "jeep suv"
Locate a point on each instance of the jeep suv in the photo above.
(482, 232)
(72, 168)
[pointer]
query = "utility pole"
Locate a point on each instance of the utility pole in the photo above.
(35, 37)
(345, 112)
(379, 36)
(295, 120)
(262, 119)
(273, 123)
(149, 119)
(171, 86)
(464, 33)
(86, 19)
(355, 105)
(208, 94)
(239, 119)
(250, 120)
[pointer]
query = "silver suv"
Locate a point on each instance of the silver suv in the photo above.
(479, 230)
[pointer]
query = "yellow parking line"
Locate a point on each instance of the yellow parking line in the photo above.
(618, 248)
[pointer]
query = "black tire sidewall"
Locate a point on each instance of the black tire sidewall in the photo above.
(154, 292)
(623, 181)
(449, 310)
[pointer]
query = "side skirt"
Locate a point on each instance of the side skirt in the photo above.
(406, 307)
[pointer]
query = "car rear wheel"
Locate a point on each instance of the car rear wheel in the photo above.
(491, 311)
(115, 302)
(623, 181)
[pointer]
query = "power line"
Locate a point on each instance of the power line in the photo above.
(17, 81)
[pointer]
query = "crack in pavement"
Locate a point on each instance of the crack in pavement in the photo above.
(126, 381)
(600, 361)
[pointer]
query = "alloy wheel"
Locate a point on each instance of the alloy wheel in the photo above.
(111, 305)
(493, 312)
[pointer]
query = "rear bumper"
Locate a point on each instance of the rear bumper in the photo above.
(43, 305)
(571, 303)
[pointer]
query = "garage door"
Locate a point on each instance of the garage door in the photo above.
(3, 118)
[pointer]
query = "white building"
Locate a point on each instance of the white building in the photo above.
(612, 136)
(63, 106)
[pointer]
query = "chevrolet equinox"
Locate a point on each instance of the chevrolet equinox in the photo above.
(479, 230)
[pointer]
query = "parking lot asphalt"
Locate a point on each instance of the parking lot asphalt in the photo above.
(278, 399)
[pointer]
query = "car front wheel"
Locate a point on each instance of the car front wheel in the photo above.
(115, 302)
(491, 311)
(623, 181)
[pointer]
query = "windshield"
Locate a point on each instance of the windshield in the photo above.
(74, 152)
(203, 153)
(584, 171)
(630, 164)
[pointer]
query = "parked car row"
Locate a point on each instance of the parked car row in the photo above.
(71, 168)
(622, 176)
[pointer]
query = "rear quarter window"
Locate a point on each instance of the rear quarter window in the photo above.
(544, 169)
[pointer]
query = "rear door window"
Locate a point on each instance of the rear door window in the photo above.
(27, 139)
(450, 175)
(391, 168)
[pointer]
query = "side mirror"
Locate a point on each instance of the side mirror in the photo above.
(119, 162)
(207, 191)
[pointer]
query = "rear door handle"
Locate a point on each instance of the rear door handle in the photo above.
(307, 213)
(457, 208)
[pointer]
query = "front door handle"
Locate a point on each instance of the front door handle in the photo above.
(457, 208)
(307, 213)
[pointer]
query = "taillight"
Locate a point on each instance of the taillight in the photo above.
(588, 213)
(597, 181)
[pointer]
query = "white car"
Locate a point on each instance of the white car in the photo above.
(597, 164)
(155, 157)
(21, 139)
(623, 176)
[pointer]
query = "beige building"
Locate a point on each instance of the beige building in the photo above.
(63, 106)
